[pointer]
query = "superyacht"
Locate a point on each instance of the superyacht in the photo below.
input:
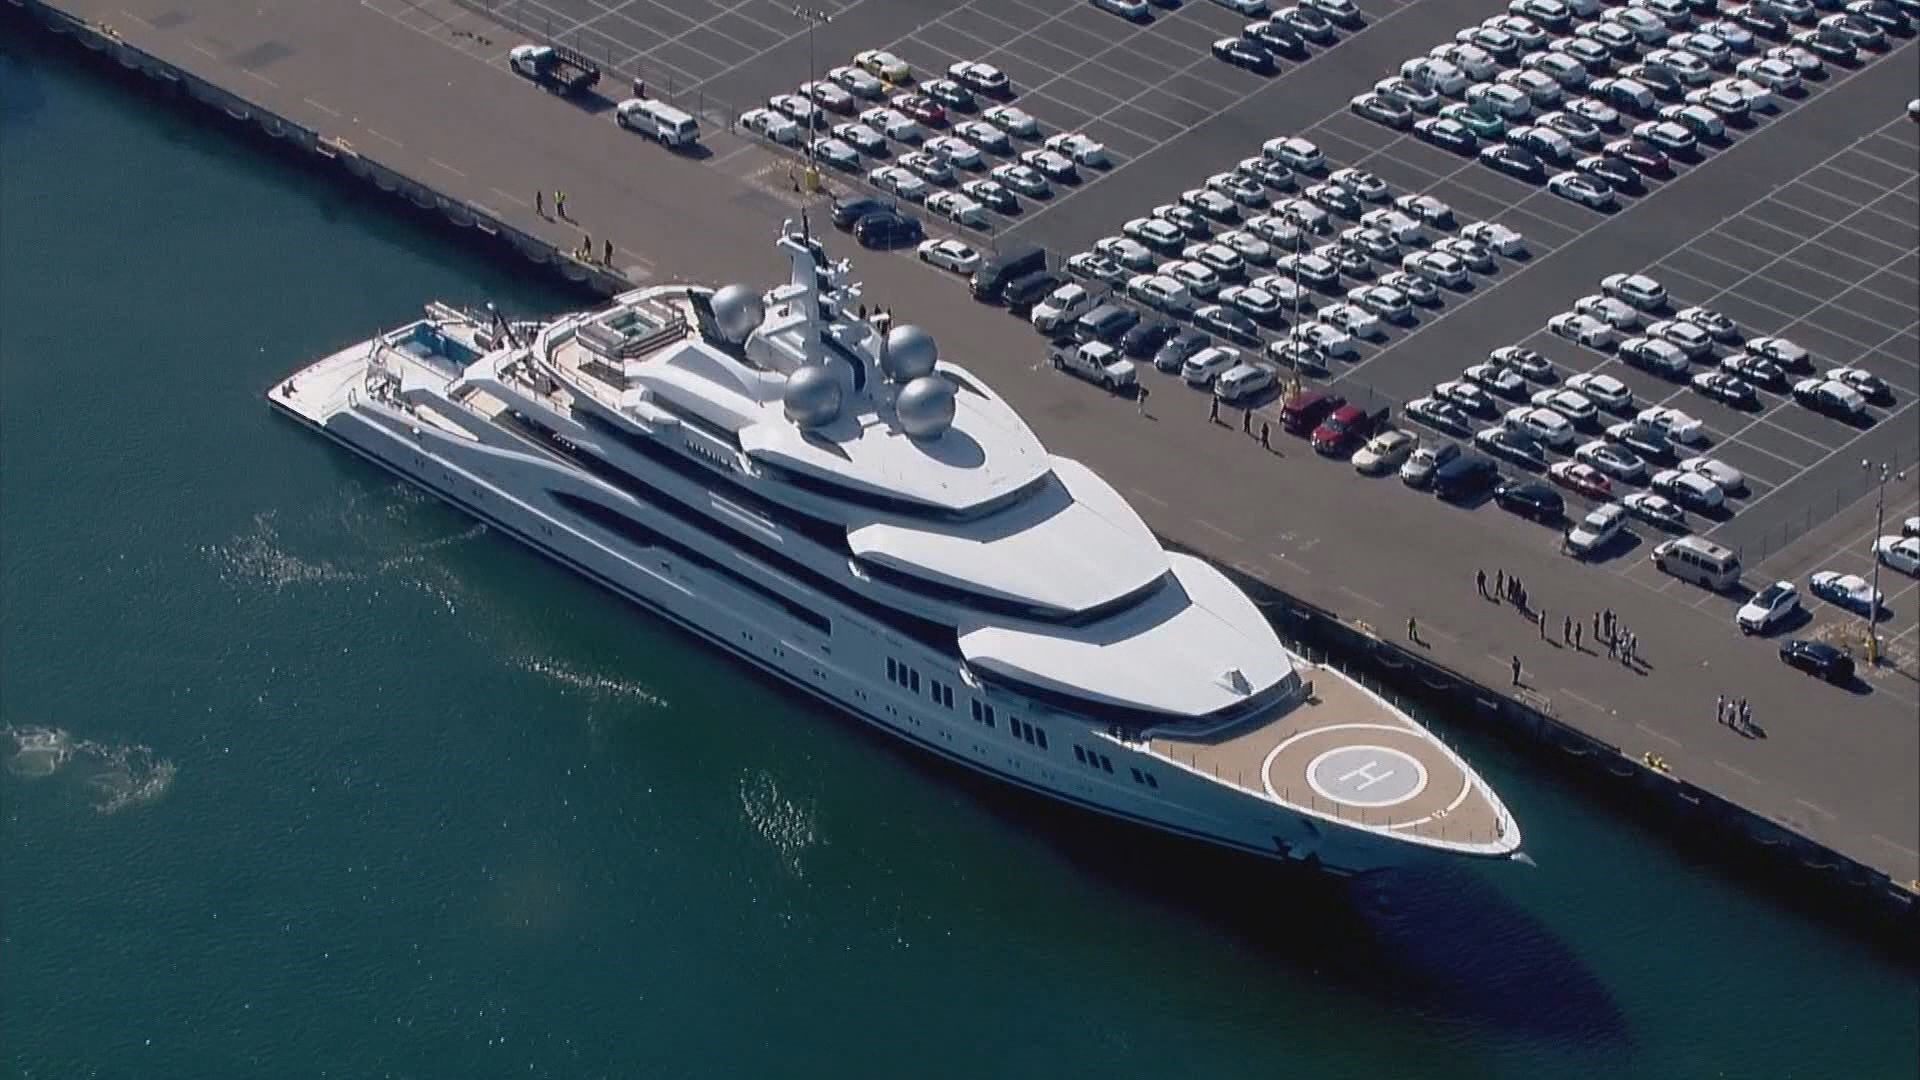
(825, 496)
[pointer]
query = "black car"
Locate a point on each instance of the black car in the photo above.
(1275, 38)
(1449, 135)
(1513, 161)
(996, 197)
(1763, 21)
(848, 212)
(1382, 109)
(1728, 389)
(1530, 499)
(1817, 658)
(951, 94)
(1306, 22)
(1147, 337)
(1659, 80)
(1464, 477)
(1228, 323)
(1882, 13)
(1243, 53)
(888, 229)
(1025, 291)
(1174, 353)
(1829, 44)
(1864, 33)
(1616, 174)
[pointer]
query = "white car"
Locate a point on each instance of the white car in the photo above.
(1768, 608)
(1425, 208)
(984, 136)
(1013, 121)
(1244, 7)
(1243, 381)
(1202, 367)
(1583, 189)
(1161, 292)
(1496, 237)
(1238, 188)
(1295, 153)
(1355, 320)
(1724, 476)
(1209, 202)
(829, 95)
(1465, 395)
(1055, 166)
(1639, 290)
(1597, 529)
(1425, 461)
(1685, 336)
(771, 125)
(1900, 552)
(1503, 381)
(950, 255)
(1024, 179)
(1543, 91)
(1383, 300)
(1383, 453)
(1783, 352)
(1218, 258)
(900, 182)
(1581, 329)
(958, 152)
(860, 137)
(1246, 245)
(1499, 99)
(1477, 62)
(1437, 267)
(1326, 337)
(1083, 150)
(982, 77)
(1126, 251)
(882, 64)
(1777, 73)
(957, 208)
(1616, 461)
(1673, 423)
(1656, 510)
(858, 83)
(1571, 404)
(1062, 307)
(1603, 390)
(1199, 278)
(1847, 590)
(800, 110)
(1252, 301)
(1401, 227)
(1542, 425)
(1362, 184)
(1614, 312)
(892, 123)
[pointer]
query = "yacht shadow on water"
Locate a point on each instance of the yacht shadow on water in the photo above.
(1440, 941)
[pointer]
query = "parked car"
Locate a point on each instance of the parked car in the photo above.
(1850, 591)
(1424, 461)
(1819, 659)
(1597, 529)
(1530, 499)
(1656, 510)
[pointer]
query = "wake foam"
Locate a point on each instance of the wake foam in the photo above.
(587, 682)
(781, 822)
(117, 775)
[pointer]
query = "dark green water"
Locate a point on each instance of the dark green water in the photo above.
(307, 776)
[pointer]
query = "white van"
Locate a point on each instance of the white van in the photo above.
(1702, 562)
(657, 120)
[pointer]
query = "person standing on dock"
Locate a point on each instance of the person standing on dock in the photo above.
(1213, 410)
(1266, 435)
(1499, 584)
(1746, 717)
(1577, 627)
(1516, 670)
(1480, 583)
(540, 203)
(1566, 630)
(1140, 396)
(1613, 646)
(1246, 421)
(1543, 624)
(608, 256)
(1413, 630)
(1720, 708)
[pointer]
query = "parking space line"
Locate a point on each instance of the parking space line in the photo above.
(1265, 85)
(1906, 166)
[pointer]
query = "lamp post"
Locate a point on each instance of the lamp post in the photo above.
(812, 18)
(1873, 552)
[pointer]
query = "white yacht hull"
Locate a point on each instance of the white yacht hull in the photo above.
(506, 488)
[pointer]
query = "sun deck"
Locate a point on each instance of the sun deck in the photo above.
(1344, 754)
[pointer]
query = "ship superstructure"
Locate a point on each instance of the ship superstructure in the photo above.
(825, 496)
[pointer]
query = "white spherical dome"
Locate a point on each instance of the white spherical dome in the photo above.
(925, 407)
(737, 310)
(911, 353)
(812, 396)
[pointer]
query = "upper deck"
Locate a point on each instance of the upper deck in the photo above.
(1345, 754)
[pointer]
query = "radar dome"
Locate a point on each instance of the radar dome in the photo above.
(812, 396)
(911, 353)
(925, 407)
(737, 310)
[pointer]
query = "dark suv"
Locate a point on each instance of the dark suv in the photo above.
(1817, 658)
(1530, 499)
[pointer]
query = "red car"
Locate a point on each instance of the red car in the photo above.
(921, 108)
(1581, 477)
(1302, 412)
(1342, 432)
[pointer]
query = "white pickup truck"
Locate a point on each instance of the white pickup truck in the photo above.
(1096, 362)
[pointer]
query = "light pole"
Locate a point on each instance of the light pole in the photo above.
(812, 18)
(1873, 552)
